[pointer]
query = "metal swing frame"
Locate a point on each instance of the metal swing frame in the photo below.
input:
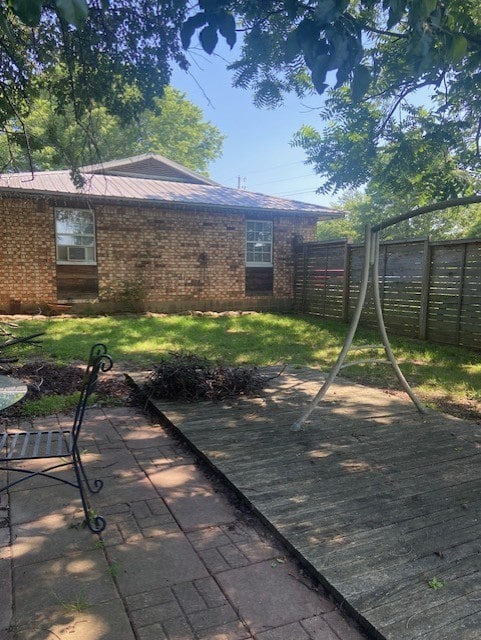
(370, 267)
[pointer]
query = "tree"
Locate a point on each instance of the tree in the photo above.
(176, 129)
(383, 47)
(107, 45)
(117, 54)
(111, 53)
(173, 127)
(419, 157)
(365, 207)
(376, 55)
(418, 153)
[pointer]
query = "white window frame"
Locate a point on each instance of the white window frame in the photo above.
(73, 246)
(259, 227)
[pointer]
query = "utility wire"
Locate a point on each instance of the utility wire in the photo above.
(257, 171)
(305, 175)
(293, 193)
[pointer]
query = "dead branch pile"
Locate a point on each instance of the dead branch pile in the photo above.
(189, 378)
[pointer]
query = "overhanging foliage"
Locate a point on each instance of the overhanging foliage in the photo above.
(118, 54)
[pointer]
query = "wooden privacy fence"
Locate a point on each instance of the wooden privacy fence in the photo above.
(429, 290)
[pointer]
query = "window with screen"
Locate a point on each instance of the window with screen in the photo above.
(258, 243)
(75, 236)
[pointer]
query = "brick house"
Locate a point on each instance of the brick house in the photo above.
(149, 231)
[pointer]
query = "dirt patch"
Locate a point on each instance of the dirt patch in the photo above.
(48, 379)
(461, 407)
(182, 377)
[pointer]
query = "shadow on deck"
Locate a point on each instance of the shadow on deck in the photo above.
(382, 503)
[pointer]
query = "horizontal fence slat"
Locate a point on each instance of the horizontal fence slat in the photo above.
(446, 293)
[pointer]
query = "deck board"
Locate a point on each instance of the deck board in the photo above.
(375, 497)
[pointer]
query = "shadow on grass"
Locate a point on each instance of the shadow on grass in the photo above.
(138, 341)
(255, 339)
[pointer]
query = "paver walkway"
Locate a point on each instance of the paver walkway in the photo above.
(178, 560)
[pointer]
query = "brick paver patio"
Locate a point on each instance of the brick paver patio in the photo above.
(178, 560)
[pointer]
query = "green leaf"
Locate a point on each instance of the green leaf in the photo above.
(208, 38)
(427, 7)
(360, 82)
(339, 51)
(211, 6)
(28, 11)
(343, 74)
(291, 7)
(189, 27)
(292, 48)
(326, 11)
(458, 48)
(435, 584)
(307, 32)
(318, 74)
(396, 11)
(73, 11)
(7, 30)
(226, 24)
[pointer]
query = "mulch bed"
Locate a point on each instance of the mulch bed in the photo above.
(46, 379)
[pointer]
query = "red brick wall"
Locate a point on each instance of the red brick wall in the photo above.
(27, 262)
(189, 255)
(172, 255)
(286, 232)
(157, 255)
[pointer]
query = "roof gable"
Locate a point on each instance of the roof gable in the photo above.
(148, 166)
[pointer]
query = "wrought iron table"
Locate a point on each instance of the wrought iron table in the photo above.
(12, 390)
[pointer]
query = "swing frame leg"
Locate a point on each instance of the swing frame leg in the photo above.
(370, 265)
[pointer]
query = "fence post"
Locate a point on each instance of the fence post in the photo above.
(382, 285)
(305, 258)
(462, 282)
(425, 282)
(347, 279)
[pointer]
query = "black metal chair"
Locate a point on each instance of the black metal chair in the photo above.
(60, 444)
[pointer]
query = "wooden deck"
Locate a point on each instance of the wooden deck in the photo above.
(377, 498)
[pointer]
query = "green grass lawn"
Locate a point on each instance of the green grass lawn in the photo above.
(441, 375)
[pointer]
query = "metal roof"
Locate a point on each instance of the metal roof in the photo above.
(152, 191)
(148, 165)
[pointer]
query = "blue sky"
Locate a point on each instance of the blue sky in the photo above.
(257, 147)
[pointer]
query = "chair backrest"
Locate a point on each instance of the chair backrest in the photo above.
(99, 361)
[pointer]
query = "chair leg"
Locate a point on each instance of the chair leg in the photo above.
(98, 484)
(94, 522)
